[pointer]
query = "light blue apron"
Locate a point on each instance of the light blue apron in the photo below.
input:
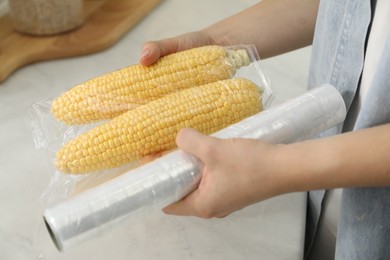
(338, 58)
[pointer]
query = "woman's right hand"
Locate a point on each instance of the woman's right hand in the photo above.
(153, 50)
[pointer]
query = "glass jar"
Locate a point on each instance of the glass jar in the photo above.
(46, 17)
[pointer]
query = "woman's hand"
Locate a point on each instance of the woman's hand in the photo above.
(153, 50)
(237, 173)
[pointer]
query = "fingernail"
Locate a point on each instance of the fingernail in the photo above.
(145, 53)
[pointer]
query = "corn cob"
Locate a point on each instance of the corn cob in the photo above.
(152, 128)
(112, 94)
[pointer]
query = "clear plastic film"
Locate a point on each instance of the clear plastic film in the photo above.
(96, 104)
(171, 177)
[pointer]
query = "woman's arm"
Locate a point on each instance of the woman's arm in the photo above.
(241, 172)
(354, 159)
(273, 26)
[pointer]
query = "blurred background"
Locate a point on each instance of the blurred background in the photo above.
(3, 5)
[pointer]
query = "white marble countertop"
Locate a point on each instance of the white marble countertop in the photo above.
(273, 229)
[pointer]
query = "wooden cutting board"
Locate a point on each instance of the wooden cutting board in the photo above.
(106, 21)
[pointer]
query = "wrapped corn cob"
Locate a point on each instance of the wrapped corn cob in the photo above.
(112, 94)
(152, 128)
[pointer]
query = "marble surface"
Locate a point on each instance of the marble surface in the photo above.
(273, 229)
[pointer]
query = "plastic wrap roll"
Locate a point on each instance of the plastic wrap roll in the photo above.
(173, 176)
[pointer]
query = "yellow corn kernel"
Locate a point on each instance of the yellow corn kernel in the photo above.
(112, 94)
(152, 128)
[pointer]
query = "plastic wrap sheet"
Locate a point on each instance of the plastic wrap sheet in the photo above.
(171, 177)
(54, 124)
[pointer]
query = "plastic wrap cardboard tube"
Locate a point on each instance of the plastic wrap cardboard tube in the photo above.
(173, 176)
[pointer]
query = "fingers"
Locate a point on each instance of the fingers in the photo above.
(193, 142)
(184, 207)
(153, 50)
(221, 190)
(193, 205)
(200, 145)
